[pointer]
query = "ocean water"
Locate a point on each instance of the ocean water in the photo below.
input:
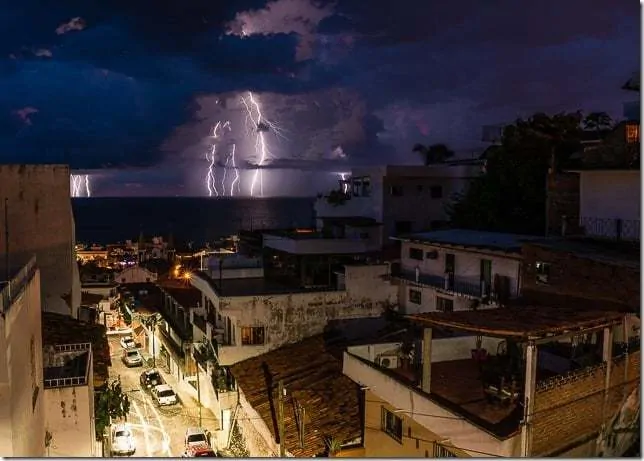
(198, 219)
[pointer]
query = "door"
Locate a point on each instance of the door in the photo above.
(486, 277)
(450, 269)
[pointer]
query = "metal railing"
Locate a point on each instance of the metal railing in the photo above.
(69, 381)
(603, 228)
(11, 289)
(448, 284)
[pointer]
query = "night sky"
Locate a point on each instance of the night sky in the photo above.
(130, 94)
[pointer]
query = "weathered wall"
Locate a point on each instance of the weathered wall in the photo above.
(41, 222)
(69, 419)
(259, 441)
(578, 277)
(22, 414)
(571, 407)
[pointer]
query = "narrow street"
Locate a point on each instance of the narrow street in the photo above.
(158, 431)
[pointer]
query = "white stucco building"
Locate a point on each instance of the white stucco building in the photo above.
(69, 400)
(22, 411)
(135, 274)
(397, 199)
(610, 203)
(457, 269)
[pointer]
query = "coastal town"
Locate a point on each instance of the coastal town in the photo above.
(382, 330)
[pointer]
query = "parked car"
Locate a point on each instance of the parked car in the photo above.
(150, 378)
(132, 358)
(200, 450)
(196, 436)
(122, 441)
(164, 395)
(127, 342)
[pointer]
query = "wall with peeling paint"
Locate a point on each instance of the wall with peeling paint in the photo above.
(69, 417)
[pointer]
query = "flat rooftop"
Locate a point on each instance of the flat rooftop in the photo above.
(66, 365)
(625, 254)
(522, 323)
(253, 286)
(467, 238)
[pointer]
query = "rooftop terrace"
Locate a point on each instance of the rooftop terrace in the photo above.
(466, 238)
(66, 365)
(255, 286)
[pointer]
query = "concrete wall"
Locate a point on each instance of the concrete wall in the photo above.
(451, 428)
(417, 440)
(289, 318)
(259, 441)
(578, 277)
(41, 223)
(570, 408)
(69, 418)
(22, 414)
(610, 194)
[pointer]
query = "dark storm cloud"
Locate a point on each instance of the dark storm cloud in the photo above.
(125, 83)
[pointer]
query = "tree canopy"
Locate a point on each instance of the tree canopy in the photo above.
(511, 195)
(110, 403)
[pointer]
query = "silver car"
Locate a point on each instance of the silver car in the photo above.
(132, 358)
(122, 441)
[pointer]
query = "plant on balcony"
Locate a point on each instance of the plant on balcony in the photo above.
(336, 197)
(333, 446)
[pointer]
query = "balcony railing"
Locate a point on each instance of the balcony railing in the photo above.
(604, 228)
(10, 289)
(449, 284)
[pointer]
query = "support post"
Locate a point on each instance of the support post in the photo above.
(280, 417)
(528, 402)
(607, 356)
(427, 361)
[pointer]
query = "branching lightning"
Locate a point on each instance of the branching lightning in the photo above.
(212, 156)
(345, 185)
(76, 185)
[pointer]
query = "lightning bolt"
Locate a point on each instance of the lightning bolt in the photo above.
(345, 186)
(87, 190)
(236, 180)
(211, 156)
(260, 141)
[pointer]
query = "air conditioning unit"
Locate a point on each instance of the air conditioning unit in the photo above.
(387, 361)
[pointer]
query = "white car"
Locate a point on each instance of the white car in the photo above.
(132, 358)
(164, 395)
(127, 342)
(196, 436)
(122, 440)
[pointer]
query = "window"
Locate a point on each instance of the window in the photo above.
(416, 253)
(419, 189)
(450, 263)
(543, 272)
(252, 336)
(364, 235)
(366, 187)
(444, 304)
(632, 133)
(391, 424)
(436, 191)
(441, 452)
(396, 191)
(415, 296)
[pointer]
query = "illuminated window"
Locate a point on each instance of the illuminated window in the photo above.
(252, 336)
(632, 133)
(543, 272)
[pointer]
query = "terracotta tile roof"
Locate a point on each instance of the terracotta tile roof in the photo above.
(519, 322)
(313, 378)
(62, 329)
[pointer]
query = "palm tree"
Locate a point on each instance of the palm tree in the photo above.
(597, 121)
(435, 153)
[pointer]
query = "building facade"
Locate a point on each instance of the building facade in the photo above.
(399, 199)
(22, 420)
(41, 222)
(457, 269)
(69, 401)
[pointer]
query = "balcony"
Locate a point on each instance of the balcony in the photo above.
(602, 228)
(449, 284)
(11, 289)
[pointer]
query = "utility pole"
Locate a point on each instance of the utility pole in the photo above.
(198, 385)
(280, 416)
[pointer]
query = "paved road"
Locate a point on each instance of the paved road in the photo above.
(159, 431)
